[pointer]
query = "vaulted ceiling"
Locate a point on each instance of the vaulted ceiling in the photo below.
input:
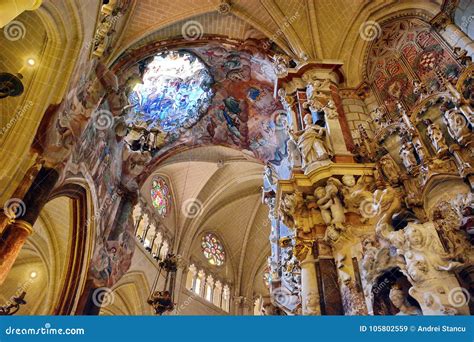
(319, 30)
(226, 186)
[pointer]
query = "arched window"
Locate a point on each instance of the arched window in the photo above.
(142, 226)
(217, 295)
(267, 276)
(137, 214)
(160, 196)
(157, 244)
(225, 305)
(198, 285)
(205, 286)
(192, 272)
(257, 306)
(209, 288)
(149, 236)
(212, 249)
(164, 250)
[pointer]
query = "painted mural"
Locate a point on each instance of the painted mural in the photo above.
(241, 113)
(202, 96)
(100, 154)
(406, 51)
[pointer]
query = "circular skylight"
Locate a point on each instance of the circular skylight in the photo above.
(176, 91)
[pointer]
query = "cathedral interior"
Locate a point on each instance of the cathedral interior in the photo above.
(236, 157)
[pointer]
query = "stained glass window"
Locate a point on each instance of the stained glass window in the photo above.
(160, 196)
(176, 91)
(213, 250)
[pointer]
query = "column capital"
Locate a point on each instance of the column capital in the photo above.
(20, 224)
(308, 72)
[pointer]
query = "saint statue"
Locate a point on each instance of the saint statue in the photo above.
(311, 143)
(408, 156)
(398, 299)
(458, 126)
(436, 137)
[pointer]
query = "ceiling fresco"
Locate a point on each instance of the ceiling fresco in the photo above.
(176, 89)
(219, 96)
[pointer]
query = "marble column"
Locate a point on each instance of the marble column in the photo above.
(12, 241)
(10, 9)
(15, 234)
(352, 295)
(309, 286)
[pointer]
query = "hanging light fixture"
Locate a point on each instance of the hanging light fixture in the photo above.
(12, 307)
(10, 85)
(162, 301)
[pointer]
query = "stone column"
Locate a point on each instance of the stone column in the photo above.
(309, 286)
(10, 9)
(242, 306)
(352, 295)
(305, 252)
(15, 234)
